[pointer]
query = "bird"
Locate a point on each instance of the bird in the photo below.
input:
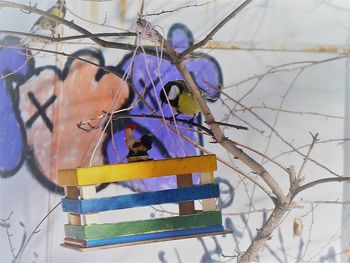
(45, 23)
(179, 98)
(137, 147)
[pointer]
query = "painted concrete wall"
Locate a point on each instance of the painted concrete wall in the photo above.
(46, 95)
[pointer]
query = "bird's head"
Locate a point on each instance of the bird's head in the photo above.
(131, 126)
(172, 90)
(61, 4)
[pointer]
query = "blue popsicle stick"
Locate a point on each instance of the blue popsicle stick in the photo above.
(95, 205)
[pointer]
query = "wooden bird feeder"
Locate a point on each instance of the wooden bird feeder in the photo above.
(84, 232)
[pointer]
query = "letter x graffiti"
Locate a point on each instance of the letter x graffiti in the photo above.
(41, 111)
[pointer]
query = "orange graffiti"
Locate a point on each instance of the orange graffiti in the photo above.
(78, 97)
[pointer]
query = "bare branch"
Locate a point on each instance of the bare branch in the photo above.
(320, 181)
(12, 249)
(36, 230)
(249, 212)
(215, 29)
(301, 113)
(326, 202)
(292, 178)
(263, 155)
(101, 42)
(263, 235)
(175, 10)
(314, 139)
(341, 140)
(210, 120)
(238, 127)
(294, 149)
(61, 39)
(130, 84)
(225, 142)
(233, 167)
(117, 116)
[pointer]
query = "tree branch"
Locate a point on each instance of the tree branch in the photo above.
(215, 30)
(215, 128)
(101, 42)
(320, 181)
(117, 116)
(130, 84)
(225, 142)
(61, 39)
(307, 157)
(263, 235)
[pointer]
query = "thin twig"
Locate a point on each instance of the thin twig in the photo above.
(326, 202)
(12, 249)
(72, 25)
(249, 212)
(310, 231)
(208, 116)
(238, 127)
(61, 39)
(327, 116)
(228, 18)
(233, 167)
(341, 140)
(314, 139)
(176, 9)
(294, 149)
(263, 155)
(91, 63)
(282, 68)
(117, 116)
(320, 181)
(93, 22)
(35, 231)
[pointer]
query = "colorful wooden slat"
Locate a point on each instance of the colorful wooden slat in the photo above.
(82, 246)
(136, 170)
(143, 226)
(86, 193)
(141, 199)
(153, 237)
(72, 192)
(208, 204)
(185, 208)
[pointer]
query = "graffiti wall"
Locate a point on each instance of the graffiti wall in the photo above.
(54, 114)
(45, 104)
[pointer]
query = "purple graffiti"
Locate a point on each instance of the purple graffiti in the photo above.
(149, 75)
(14, 68)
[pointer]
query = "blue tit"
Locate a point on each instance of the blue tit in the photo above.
(45, 23)
(179, 98)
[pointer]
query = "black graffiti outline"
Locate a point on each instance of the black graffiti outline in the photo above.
(41, 111)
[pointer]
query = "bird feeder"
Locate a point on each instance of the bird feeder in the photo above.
(84, 232)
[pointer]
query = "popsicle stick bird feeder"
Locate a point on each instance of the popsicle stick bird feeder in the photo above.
(84, 231)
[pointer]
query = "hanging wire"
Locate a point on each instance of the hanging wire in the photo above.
(147, 30)
(144, 30)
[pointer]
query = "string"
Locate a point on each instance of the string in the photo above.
(148, 31)
(114, 104)
(167, 99)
